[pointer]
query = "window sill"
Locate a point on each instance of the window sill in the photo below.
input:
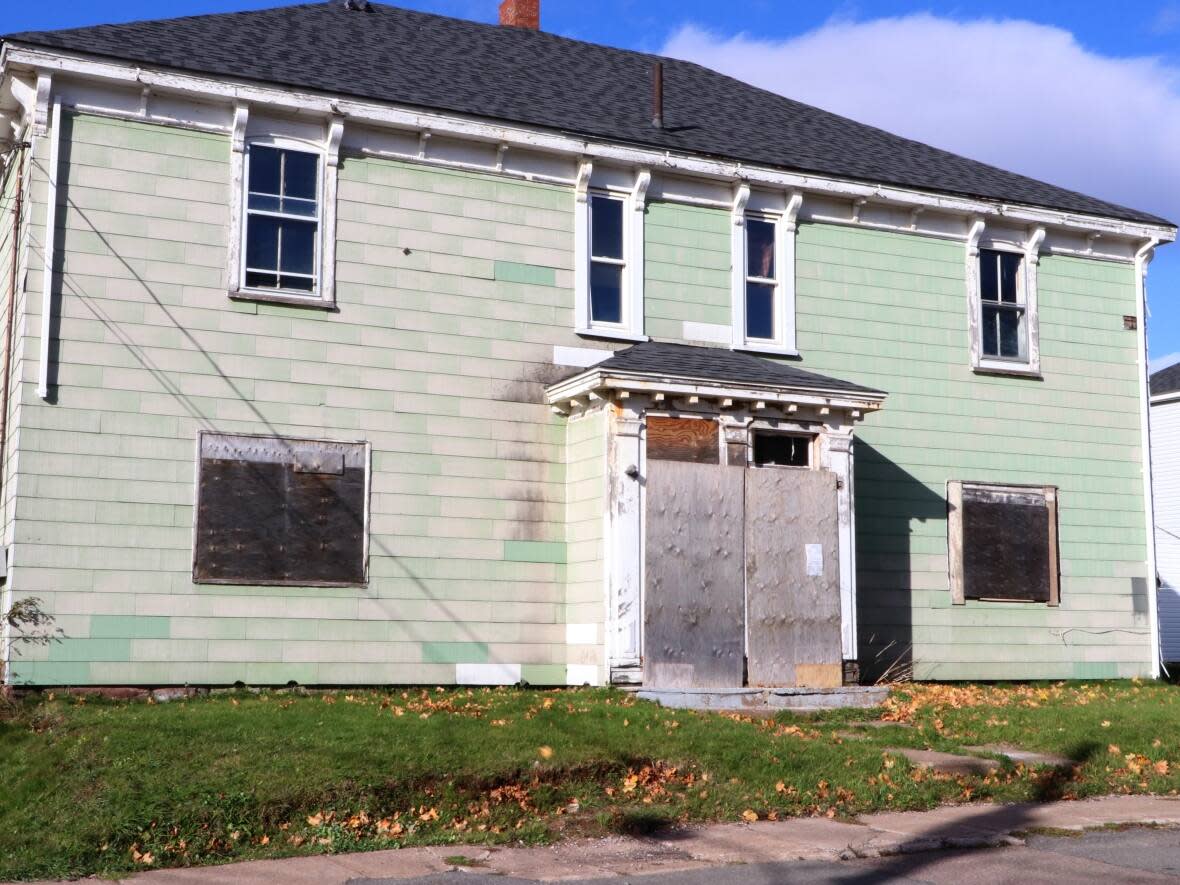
(314, 302)
(771, 349)
(1019, 370)
(613, 335)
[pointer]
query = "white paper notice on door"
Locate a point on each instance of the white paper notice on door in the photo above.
(815, 560)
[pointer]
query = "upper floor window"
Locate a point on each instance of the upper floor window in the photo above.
(762, 318)
(608, 260)
(763, 291)
(1002, 276)
(608, 252)
(283, 212)
(1002, 296)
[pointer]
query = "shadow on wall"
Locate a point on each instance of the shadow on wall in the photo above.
(888, 502)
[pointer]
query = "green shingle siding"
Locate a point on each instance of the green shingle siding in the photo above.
(486, 509)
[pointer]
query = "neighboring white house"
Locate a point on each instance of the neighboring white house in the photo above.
(1165, 458)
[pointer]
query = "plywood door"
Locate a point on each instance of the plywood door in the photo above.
(694, 611)
(792, 578)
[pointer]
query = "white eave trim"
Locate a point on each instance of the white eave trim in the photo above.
(582, 385)
(229, 90)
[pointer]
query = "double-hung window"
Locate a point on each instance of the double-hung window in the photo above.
(1003, 308)
(763, 291)
(608, 261)
(762, 308)
(283, 214)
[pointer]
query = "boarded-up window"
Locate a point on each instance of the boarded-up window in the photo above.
(683, 439)
(1003, 542)
(281, 511)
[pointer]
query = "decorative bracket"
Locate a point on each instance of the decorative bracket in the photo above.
(973, 235)
(790, 216)
(335, 136)
(1032, 247)
(41, 108)
(639, 192)
(741, 197)
(238, 137)
(582, 184)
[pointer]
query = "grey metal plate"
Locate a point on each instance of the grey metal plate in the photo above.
(794, 598)
(694, 615)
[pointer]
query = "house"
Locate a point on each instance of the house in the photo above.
(470, 354)
(1165, 473)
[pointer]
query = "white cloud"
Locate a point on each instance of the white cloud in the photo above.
(1020, 95)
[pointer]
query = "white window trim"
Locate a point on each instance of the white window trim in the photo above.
(786, 224)
(1030, 250)
(634, 211)
(324, 295)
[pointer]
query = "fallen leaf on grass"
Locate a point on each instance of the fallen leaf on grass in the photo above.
(750, 815)
(1113, 749)
(545, 752)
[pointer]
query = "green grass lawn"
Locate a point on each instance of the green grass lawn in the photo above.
(90, 786)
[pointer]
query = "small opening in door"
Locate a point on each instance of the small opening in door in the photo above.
(781, 450)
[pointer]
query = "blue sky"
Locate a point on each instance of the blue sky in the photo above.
(1084, 94)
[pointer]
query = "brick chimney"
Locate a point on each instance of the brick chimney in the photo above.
(521, 14)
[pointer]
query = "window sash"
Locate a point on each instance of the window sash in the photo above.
(609, 261)
(990, 338)
(772, 282)
(315, 221)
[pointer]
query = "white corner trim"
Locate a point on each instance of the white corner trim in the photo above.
(582, 357)
(1142, 258)
(737, 266)
(331, 188)
(49, 248)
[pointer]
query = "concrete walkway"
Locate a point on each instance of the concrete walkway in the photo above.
(764, 842)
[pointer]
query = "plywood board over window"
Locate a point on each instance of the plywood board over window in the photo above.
(1003, 543)
(683, 439)
(272, 510)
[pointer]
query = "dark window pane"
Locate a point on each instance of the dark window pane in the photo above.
(298, 247)
(1009, 269)
(606, 227)
(265, 203)
(264, 169)
(299, 207)
(1010, 334)
(262, 242)
(255, 280)
(301, 284)
(759, 310)
(780, 450)
(988, 276)
(990, 333)
(760, 248)
(300, 172)
(606, 293)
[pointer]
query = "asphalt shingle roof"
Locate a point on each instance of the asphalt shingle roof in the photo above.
(718, 364)
(1166, 380)
(522, 76)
